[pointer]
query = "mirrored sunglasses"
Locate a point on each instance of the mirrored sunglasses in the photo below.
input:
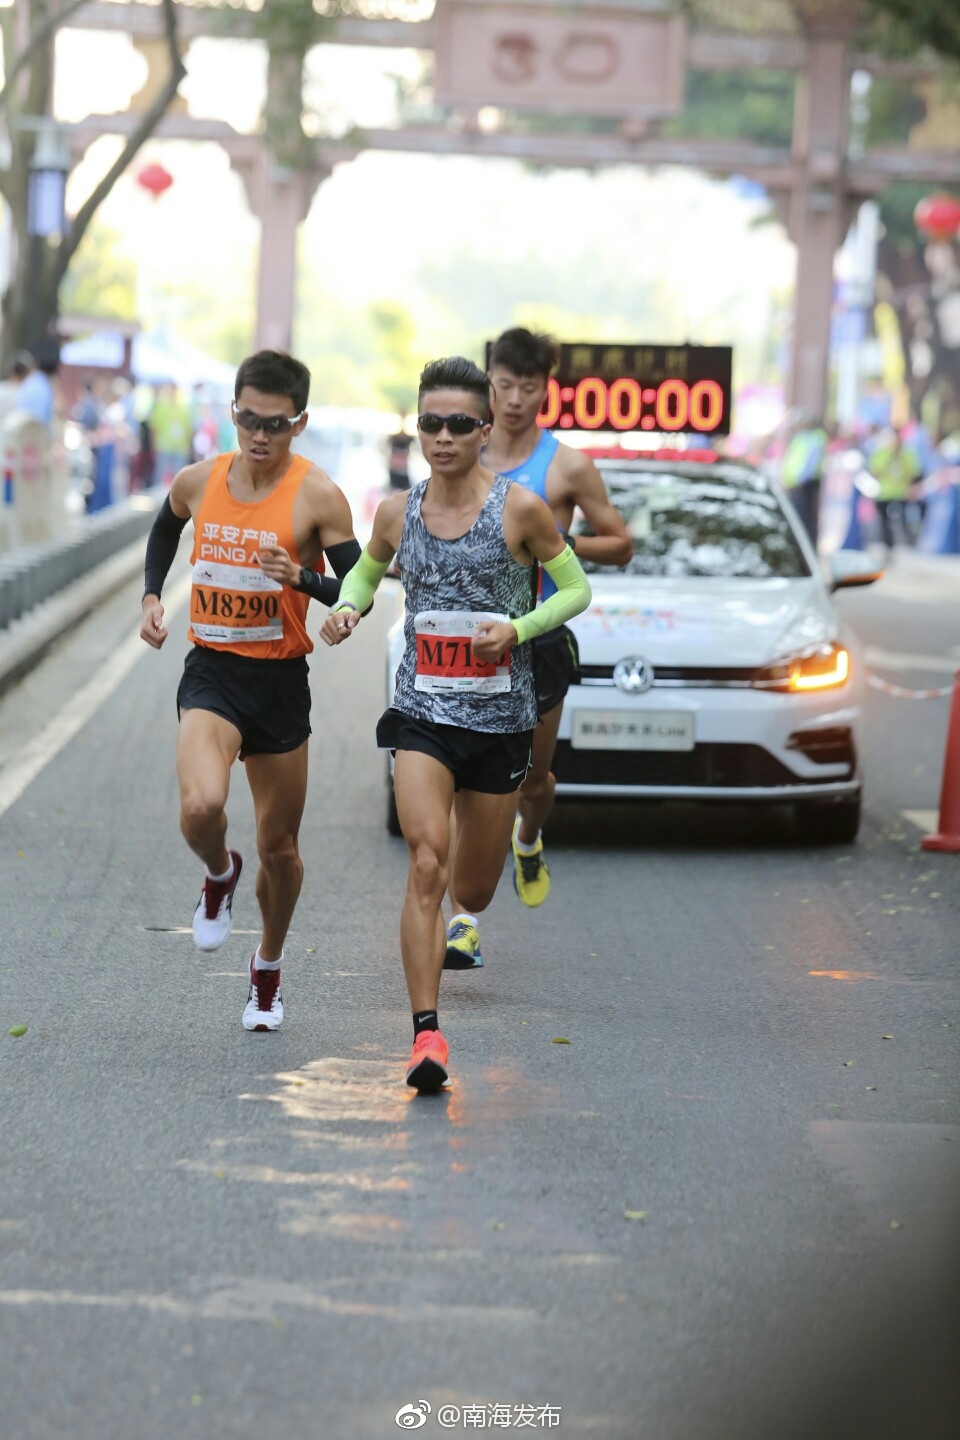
(269, 424)
(456, 424)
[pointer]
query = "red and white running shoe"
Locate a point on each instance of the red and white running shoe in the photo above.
(213, 918)
(264, 1010)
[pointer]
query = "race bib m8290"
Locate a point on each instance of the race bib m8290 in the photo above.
(445, 658)
(232, 604)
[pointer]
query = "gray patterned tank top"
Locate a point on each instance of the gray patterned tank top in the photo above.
(452, 587)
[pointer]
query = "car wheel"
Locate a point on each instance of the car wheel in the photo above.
(825, 824)
(393, 819)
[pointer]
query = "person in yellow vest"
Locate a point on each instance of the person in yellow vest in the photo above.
(261, 517)
(896, 468)
(801, 471)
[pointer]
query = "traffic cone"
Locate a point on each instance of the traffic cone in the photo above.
(947, 837)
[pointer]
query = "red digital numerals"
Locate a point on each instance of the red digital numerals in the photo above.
(625, 404)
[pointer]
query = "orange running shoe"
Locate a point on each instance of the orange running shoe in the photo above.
(428, 1061)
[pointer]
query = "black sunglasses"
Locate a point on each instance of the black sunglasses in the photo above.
(456, 424)
(269, 424)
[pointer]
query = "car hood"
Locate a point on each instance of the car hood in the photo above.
(736, 623)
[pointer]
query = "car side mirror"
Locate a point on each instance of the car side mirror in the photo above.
(850, 568)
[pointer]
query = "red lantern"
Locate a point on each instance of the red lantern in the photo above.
(155, 179)
(938, 217)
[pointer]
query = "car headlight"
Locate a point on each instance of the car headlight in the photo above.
(821, 668)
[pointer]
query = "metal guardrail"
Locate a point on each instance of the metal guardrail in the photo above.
(33, 573)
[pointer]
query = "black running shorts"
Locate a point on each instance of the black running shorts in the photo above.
(267, 700)
(491, 764)
(556, 665)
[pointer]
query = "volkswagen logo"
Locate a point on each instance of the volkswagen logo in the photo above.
(633, 676)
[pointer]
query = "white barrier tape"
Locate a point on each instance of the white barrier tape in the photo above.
(903, 694)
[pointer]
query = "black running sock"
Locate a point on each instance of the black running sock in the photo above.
(424, 1020)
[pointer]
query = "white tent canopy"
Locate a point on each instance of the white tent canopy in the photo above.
(158, 356)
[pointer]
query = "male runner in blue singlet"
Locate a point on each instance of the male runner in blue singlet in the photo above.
(464, 705)
(568, 480)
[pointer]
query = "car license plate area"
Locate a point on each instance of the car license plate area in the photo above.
(623, 730)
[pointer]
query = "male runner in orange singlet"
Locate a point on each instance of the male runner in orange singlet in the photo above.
(261, 516)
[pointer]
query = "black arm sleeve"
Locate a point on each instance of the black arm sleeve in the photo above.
(325, 588)
(162, 545)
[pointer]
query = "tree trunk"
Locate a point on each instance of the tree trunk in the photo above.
(30, 305)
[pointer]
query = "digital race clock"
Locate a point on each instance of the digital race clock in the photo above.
(672, 388)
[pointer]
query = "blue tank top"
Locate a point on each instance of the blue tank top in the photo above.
(532, 475)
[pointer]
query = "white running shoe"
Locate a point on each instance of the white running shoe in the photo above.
(213, 918)
(264, 1003)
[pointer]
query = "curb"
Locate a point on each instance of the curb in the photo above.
(24, 643)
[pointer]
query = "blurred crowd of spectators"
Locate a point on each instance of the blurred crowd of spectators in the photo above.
(893, 466)
(122, 437)
(126, 437)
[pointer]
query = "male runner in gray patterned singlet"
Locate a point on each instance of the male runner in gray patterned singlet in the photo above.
(464, 707)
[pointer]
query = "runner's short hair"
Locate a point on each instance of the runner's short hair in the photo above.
(456, 373)
(274, 372)
(523, 353)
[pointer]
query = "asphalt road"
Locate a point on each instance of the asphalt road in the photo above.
(726, 1207)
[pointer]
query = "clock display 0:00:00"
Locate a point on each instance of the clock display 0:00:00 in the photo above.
(621, 405)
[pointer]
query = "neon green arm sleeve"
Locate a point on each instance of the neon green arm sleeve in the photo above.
(572, 595)
(359, 584)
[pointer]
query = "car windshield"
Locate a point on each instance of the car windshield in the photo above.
(724, 522)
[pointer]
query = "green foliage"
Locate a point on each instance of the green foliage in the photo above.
(396, 371)
(102, 280)
(369, 357)
(905, 26)
(894, 109)
(719, 103)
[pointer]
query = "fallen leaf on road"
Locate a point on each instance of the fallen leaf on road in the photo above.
(896, 1225)
(17, 1030)
(634, 1214)
(847, 1062)
(886, 1037)
(869, 1087)
(559, 1040)
(496, 1225)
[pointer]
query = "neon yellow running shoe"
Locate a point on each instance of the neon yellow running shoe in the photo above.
(463, 946)
(531, 878)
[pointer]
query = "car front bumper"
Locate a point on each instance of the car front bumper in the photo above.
(747, 744)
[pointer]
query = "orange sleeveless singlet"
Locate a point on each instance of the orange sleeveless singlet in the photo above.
(234, 606)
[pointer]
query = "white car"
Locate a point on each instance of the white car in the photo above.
(713, 666)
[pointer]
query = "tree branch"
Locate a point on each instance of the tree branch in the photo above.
(152, 117)
(39, 37)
